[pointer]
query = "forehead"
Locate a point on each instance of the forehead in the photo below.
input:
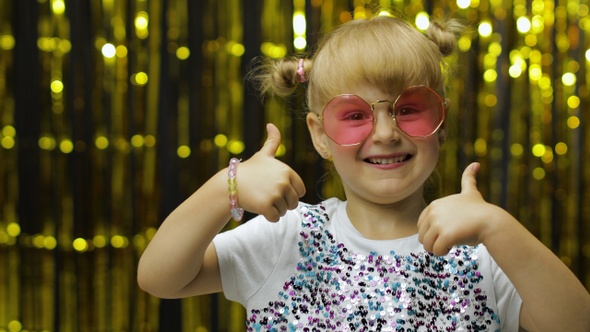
(370, 93)
(364, 81)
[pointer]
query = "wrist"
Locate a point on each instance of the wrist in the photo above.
(499, 222)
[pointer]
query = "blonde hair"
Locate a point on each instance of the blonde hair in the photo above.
(383, 51)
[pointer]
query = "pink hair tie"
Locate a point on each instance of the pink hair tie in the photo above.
(301, 71)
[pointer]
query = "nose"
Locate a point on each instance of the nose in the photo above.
(385, 128)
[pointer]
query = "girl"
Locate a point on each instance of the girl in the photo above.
(383, 260)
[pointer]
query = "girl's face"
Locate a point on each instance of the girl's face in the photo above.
(388, 166)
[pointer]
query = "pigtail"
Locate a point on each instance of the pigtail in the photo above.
(444, 34)
(280, 77)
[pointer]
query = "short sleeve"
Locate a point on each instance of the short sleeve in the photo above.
(507, 298)
(248, 255)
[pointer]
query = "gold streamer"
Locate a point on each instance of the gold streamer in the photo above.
(518, 95)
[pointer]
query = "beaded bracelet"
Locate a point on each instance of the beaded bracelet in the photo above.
(236, 212)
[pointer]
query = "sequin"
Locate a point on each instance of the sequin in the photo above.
(335, 289)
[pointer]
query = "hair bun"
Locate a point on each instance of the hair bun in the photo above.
(444, 34)
(279, 77)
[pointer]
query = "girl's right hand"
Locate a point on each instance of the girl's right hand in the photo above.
(265, 185)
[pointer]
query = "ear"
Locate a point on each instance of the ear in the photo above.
(442, 131)
(442, 135)
(318, 137)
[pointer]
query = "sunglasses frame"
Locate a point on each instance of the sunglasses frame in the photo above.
(443, 104)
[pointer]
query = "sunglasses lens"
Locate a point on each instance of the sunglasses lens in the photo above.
(347, 120)
(419, 111)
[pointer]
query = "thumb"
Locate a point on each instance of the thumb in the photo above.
(468, 180)
(273, 140)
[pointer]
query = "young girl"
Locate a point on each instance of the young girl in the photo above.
(383, 260)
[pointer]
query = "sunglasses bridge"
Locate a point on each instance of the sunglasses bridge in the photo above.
(391, 109)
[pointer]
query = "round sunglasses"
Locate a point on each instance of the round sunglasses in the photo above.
(349, 120)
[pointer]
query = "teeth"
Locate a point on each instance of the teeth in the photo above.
(383, 161)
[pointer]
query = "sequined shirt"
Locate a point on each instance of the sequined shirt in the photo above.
(313, 271)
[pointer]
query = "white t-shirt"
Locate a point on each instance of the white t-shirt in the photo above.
(312, 270)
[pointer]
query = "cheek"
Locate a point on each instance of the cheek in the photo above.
(342, 157)
(431, 152)
(428, 150)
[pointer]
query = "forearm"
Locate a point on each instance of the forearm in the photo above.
(175, 255)
(552, 295)
(180, 260)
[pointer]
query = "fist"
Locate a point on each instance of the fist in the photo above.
(455, 220)
(266, 185)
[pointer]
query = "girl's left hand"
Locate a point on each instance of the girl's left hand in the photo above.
(459, 219)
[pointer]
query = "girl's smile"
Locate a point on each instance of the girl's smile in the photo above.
(388, 161)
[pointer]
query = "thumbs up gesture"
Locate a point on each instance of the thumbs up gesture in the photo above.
(266, 185)
(459, 219)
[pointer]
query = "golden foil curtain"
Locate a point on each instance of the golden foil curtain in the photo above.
(112, 112)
